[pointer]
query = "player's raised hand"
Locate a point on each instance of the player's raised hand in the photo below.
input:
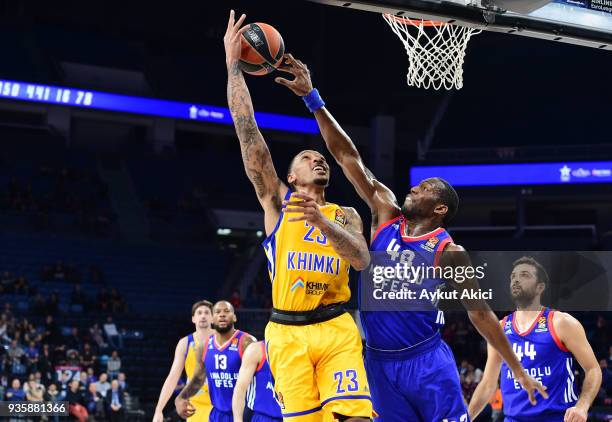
(532, 385)
(184, 408)
(231, 39)
(301, 84)
(305, 205)
(575, 414)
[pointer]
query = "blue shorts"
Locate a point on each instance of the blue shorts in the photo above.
(417, 386)
(219, 416)
(260, 417)
(557, 417)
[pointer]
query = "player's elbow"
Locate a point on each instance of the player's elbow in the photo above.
(361, 262)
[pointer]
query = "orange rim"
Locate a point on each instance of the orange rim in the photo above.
(416, 22)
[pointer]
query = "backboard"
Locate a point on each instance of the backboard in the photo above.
(582, 22)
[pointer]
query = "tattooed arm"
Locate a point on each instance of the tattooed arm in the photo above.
(255, 153)
(347, 241)
(380, 198)
(183, 407)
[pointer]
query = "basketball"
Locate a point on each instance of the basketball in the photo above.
(262, 49)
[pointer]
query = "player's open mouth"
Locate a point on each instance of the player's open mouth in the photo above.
(320, 168)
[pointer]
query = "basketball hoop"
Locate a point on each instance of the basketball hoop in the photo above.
(436, 51)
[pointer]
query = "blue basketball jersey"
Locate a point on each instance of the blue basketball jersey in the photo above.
(399, 330)
(260, 395)
(546, 359)
(222, 364)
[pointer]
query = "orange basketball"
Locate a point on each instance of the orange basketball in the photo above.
(262, 49)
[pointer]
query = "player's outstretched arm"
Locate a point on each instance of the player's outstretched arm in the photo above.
(487, 386)
(178, 364)
(572, 335)
(485, 321)
(250, 360)
(347, 241)
(255, 153)
(380, 199)
(183, 407)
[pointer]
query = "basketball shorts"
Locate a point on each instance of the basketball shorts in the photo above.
(260, 417)
(218, 416)
(417, 386)
(318, 369)
(552, 417)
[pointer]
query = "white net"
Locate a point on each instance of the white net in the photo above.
(436, 51)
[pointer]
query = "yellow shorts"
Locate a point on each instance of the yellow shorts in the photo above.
(318, 369)
(201, 414)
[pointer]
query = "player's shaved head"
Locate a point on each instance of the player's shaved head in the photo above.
(223, 304)
(224, 316)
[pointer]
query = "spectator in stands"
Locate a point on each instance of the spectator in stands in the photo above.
(103, 300)
(96, 276)
(88, 359)
(116, 301)
(235, 299)
(91, 377)
(52, 304)
(15, 393)
(122, 382)
(15, 354)
(115, 401)
(7, 282)
(53, 394)
(468, 383)
(113, 365)
(604, 397)
(599, 337)
(74, 340)
(96, 334)
(78, 297)
(38, 304)
(83, 383)
(45, 363)
(94, 402)
(73, 358)
(59, 354)
(34, 390)
(76, 401)
(102, 386)
(51, 330)
(3, 386)
(21, 286)
(4, 329)
(32, 354)
(59, 271)
(112, 334)
(46, 273)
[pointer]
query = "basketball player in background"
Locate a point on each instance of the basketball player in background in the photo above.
(313, 344)
(545, 341)
(255, 384)
(406, 359)
(185, 357)
(218, 361)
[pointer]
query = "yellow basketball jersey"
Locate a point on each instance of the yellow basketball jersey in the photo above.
(201, 398)
(305, 270)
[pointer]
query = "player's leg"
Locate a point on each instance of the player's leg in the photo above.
(389, 403)
(293, 372)
(434, 375)
(341, 377)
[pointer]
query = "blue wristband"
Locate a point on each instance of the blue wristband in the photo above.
(313, 100)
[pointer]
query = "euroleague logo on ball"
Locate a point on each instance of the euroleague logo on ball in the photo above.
(254, 36)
